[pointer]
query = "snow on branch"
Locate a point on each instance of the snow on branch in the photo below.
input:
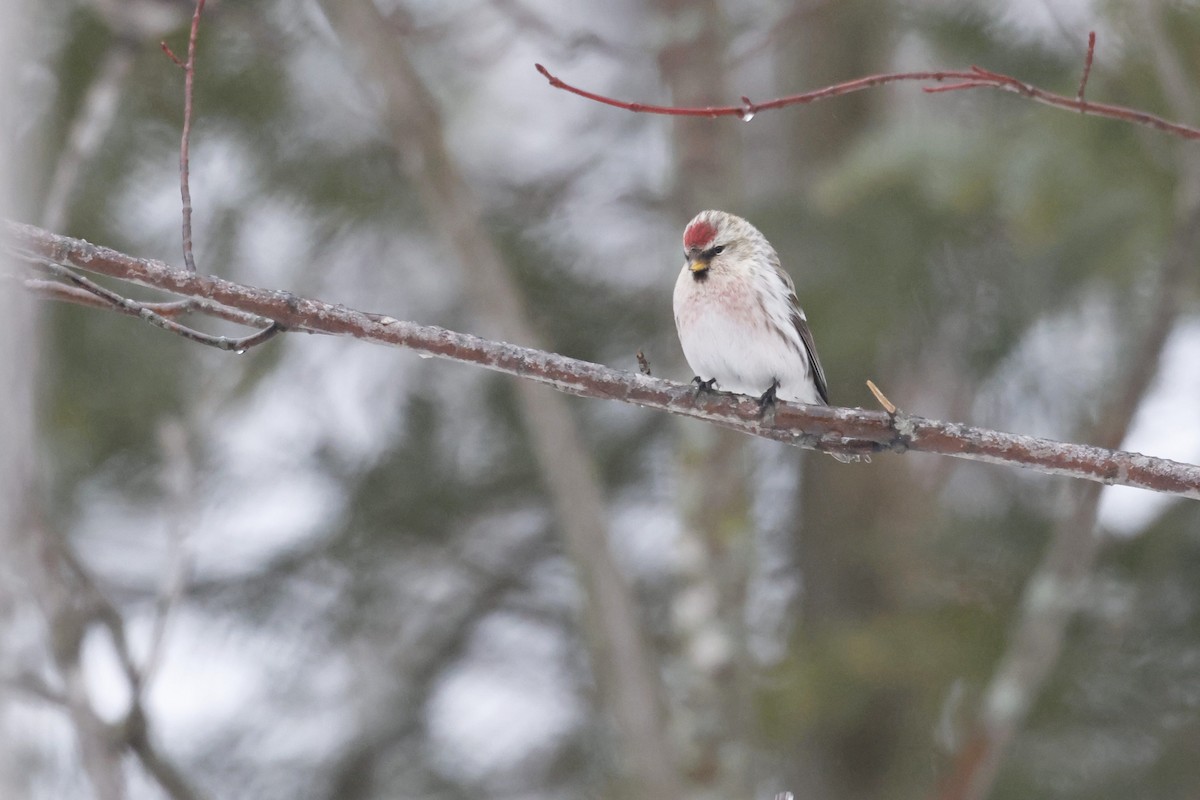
(974, 78)
(852, 431)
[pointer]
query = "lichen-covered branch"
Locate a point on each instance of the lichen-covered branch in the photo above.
(843, 430)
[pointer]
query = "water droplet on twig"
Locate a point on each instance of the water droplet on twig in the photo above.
(747, 112)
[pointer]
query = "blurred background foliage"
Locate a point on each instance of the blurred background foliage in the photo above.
(379, 601)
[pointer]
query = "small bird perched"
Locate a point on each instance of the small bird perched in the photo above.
(738, 318)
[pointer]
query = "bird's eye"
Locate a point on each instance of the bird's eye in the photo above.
(718, 250)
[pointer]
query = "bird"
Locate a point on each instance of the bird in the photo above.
(740, 324)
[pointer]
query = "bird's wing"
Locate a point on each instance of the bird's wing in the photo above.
(810, 347)
(800, 323)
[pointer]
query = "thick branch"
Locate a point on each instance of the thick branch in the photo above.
(844, 430)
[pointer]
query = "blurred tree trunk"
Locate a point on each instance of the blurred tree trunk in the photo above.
(18, 335)
(692, 61)
(858, 536)
(821, 44)
(712, 705)
(19, 346)
(620, 656)
(824, 43)
(1054, 592)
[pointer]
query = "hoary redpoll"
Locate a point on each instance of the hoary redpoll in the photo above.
(740, 324)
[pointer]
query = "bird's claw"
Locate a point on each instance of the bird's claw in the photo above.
(704, 385)
(767, 399)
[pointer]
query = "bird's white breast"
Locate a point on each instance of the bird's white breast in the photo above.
(741, 336)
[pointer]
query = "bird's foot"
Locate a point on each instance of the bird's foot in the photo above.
(704, 386)
(767, 399)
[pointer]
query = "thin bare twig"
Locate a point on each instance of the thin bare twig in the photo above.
(189, 76)
(974, 78)
(142, 311)
(888, 405)
(1087, 66)
(171, 309)
(843, 430)
(166, 48)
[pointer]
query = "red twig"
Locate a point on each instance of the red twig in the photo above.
(1087, 66)
(975, 78)
(166, 48)
(747, 107)
(189, 75)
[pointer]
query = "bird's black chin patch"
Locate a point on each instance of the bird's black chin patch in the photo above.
(700, 275)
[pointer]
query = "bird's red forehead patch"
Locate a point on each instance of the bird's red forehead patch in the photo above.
(698, 235)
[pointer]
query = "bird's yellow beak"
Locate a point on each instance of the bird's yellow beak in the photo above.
(699, 265)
